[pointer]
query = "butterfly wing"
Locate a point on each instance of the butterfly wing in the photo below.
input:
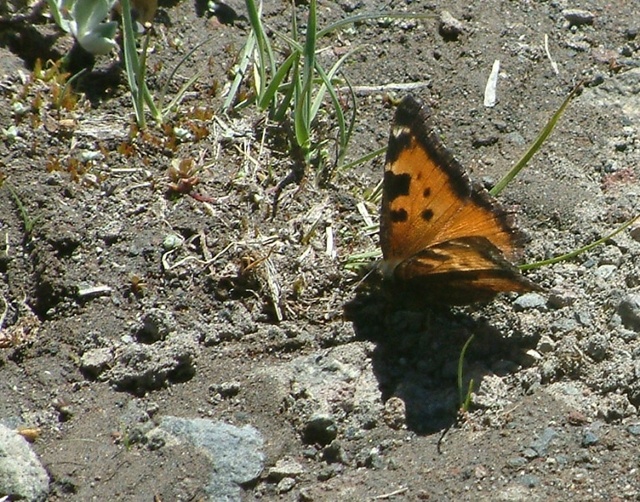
(461, 271)
(430, 210)
(427, 196)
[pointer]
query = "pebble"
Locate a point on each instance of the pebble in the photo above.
(633, 429)
(156, 325)
(529, 301)
(285, 485)
(546, 344)
(629, 311)
(596, 347)
(589, 438)
(394, 414)
(450, 27)
(541, 444)
(560, 297)
(93, 362)
(578, 17)
(285, 468)
(605, 271)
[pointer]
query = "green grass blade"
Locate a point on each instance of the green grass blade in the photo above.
(268, 97)
(361, 160)
(302, 111)
(579, 251)
(142, 82)
(265, 52)
(370, 16)
(464, 399)
(131, 61)
(243, 64)
(165, 87)
(536, 145)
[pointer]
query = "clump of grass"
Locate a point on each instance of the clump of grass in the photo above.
(293, 89)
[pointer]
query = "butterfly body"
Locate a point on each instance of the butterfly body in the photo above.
(441, 236)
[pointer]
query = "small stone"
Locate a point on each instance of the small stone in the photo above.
(285, 485)
(450, 27)
(529, 301)
(546, 344)
(335, 453)
(529, 480)
(285, 468)
(517, 462)
(22, 476)
(596, 347)
(629, 311)
(560, 297)
(611, 255)
(226, 389)
(156, 325)
(95, 361)
(394, 414)
(578, 17)
(633, 429)
(605, 271)
(542, 442)
(589, 438)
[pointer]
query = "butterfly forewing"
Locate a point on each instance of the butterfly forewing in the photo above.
(436, 229)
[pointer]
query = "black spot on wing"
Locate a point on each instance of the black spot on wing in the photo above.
(414, 114)
(427, 214)
(399, 215)
(396, 185)
(426, 192)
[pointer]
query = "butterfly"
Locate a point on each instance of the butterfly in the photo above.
(443, 239)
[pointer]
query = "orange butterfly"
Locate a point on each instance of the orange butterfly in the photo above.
(442, 238)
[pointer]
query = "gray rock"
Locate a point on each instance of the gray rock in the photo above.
(546, 344)
(629, 311)
(140, 367)
(235, 453)
(22, 476)
(605, 271)
(589, 438)
(541, 444)
(285, 468)
(633, 429)
(596, 347)
(95, 361)
(578, 17)
(156, 325)
(449, 26)
(285, 485)
(560, 297)
(529, 301)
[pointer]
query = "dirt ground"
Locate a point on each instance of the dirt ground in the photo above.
(129, 307)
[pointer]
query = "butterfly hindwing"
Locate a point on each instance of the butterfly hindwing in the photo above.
(436, 228)
(460, 271)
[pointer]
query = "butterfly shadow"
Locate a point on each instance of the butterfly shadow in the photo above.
(417, 352)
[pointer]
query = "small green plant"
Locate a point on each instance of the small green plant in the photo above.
(293, 90)
(464, 393)
(136, 68)
(85, 20)
(27, 221)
